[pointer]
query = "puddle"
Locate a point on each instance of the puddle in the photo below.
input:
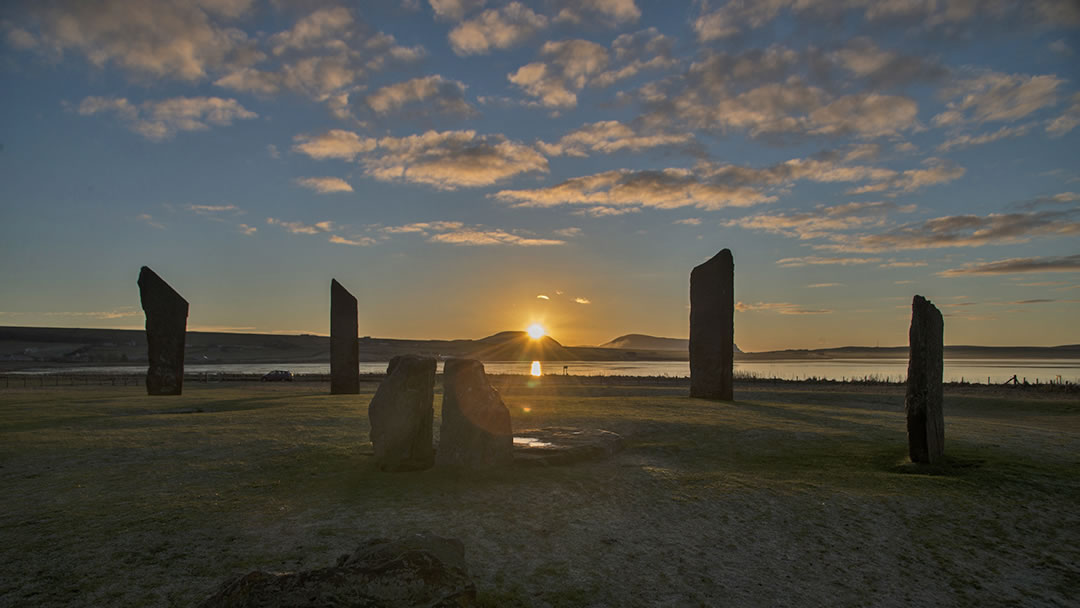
(530, 442)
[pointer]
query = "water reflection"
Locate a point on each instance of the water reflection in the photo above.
(535, 370)
(529, 442)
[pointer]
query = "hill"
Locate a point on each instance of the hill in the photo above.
(646, 342)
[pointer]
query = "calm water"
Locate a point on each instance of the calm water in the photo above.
(971, 370)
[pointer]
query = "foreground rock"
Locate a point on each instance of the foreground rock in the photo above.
(401, 415)
(923, 401)
(344, 349)
(560, 445)
(166, 325)
(419, 570)
(712, 327)
(475, 431)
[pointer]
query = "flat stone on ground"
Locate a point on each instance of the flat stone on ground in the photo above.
(562, 445)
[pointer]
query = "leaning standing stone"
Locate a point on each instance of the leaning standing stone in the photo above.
(344, 349)
(475, 431)
(923, 402)
(166, 323)
(712, 327)
(401, 415)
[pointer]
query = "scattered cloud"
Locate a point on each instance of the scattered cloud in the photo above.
(820, 285)
(903, 264)
(819, 222)
(272, 150)
(214, 210)
(1068, 120)
(997, 97)
(492, 29)
(478, 236)
(161, 120)
(454, 10)
(542, 297)
(452, 159)
(963, 141)
(300, 227)
(570, 232)
(149, 220)
(607, 137)
(613, 11)
(119, 312)
(335, 143)
(784, 308)
(690, 221)
(363, 241)
(246, 230)
(582, 301)
(435, 92)
(569, 65)
(325, 185)
(814, 260)
(1069, 263)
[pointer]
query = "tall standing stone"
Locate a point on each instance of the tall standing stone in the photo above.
(401, 415)
(476, 431)
(344, 349)
(923, 402)
(712, 327)
(166, 324)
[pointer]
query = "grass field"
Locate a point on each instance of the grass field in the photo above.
(783, 498)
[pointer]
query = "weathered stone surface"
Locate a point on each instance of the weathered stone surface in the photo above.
(419, 570)
(166, 324)
(925, 393)
(475, 431)
(712, 327)
(401, 415)
(562, 445)
(344, 349)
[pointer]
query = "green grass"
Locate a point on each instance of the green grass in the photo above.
(108, 497)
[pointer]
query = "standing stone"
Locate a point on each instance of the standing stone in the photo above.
(475, 431)
(401, 415)
(712, 327)
(166, 323)
(344, 349)
(923, 402)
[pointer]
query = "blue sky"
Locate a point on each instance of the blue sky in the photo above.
(470, 166)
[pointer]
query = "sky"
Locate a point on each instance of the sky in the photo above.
(465, 167)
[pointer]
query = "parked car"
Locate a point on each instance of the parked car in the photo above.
(278, 375)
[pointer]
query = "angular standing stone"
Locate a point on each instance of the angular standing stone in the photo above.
(923, 402)
(712, 327)
(401, 415)
(166, 324)
(475, 431)
(344, 349)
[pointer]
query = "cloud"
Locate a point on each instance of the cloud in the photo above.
(335, 143)
(569, 66)
(881, 68)
(784, 308)
(447, 96)
(161, 120)
(814, 260)
(902, 264)
(570, 232)
(149, 220)
(963, 141)
(246, 230)
(496, 29)
(322, 29)
(996, 96)
(542, 297)
(477, 236)
(937, 171)
(325, 185)
(153, 39)
(821, 285)
(212, 210)
(582, 301)
(363, 241)
(820, 222)
(964, 231)
(614, 11)
(423, 227)
(608, 137)
(451, 159)
(300, 227)
(1070, 263)
(1067, 121)
(117, 313)
(647, 49)
(454, 10)
(690, 221)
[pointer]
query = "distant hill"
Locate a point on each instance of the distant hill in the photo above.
(518, 346)
(644, 342)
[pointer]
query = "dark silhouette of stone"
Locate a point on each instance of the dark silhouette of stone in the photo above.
(419, 570)
(166, 324)
(475, 431)
(401, 415)
(712, 327)
(923, 402)
(344, 349)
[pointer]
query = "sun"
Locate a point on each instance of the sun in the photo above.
(536, 331)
